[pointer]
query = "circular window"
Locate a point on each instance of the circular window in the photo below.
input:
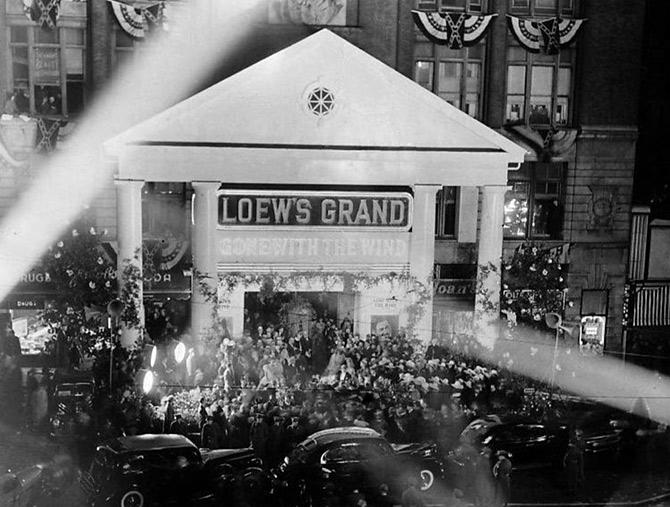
(321, 101)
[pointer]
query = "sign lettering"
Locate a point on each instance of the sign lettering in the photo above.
(238, 209)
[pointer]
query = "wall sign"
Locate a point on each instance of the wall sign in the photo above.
(314, 210)
(455, 287)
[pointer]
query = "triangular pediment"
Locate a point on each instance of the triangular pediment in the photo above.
(320, 92)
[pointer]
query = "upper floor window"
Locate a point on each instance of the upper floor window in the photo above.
(534, 202)
(445, 212)
(539, 86)
(453, 74)
(48, 69)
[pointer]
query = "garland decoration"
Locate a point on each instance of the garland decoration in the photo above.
(270, 283)
(452, 29)
(137, 21)
(546, 36)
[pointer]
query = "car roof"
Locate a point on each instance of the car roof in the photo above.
(335, 434)
(149, 443)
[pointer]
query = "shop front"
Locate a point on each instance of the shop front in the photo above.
(315, 171)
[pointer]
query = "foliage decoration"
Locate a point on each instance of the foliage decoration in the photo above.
(533, 284)
(419, 292)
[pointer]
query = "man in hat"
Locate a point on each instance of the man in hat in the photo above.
(502, 471)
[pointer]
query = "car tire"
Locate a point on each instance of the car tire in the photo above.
(426, 480)
(132, 498)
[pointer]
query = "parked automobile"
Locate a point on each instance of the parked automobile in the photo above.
(35, 485)
(163, 470)
(72, 408)
(354, 458)
(537, 444)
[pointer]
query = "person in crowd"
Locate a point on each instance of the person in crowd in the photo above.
(202, 412)
(39, 404)
(573, 463)
(502, 473)
(11, 106)
(484, 484)
(210, 434)
(411, 495)
(179, 426)
(258, 435)
(10, 344)
(169, 414)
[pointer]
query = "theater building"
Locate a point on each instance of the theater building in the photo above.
(574, 113)
(332, 167)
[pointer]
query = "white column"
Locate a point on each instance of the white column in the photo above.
(487, 298)
(204, 254)
(422, 250)
(129, 237)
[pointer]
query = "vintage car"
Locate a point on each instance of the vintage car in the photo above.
(536, 444)
(163, 470)
(35, 485)
(354, 458)
(72, 408)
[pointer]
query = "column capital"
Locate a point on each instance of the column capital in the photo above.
(129, 183)
(205, 185)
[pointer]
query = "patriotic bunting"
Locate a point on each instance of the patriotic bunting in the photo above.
(44, 12)
(47, 134)
(545, 36)
(452, 29)
(137, 21)
(7, 160)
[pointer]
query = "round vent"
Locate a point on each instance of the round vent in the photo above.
(321, 101)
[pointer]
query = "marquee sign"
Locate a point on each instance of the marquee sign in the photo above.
(382, 211)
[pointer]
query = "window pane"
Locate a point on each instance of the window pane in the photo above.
(567, 55)
(20, 63)
(424, 74)
(516, 79)
(475, 5)
(476, 52)
(48, 100)
(516, 54)
(18, 34)
(541, 80)
(74, 61)
(548, 5)
(515, 107)
(516, 211)
(473, 81)
(520, 4)
(74, 36)
(562, 110)
(453, 98)
(539, 110)
(472, 104)
(75, 97)
(546, 217)
(564, 74)
(123, 40)
(452, 5)
(46, 36)
(446, 209)
(450, 77)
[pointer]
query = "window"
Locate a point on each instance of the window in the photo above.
(539, 86)
(533, 204)
(47, 67)
(453, 74)
(445, 212)
(165, 208)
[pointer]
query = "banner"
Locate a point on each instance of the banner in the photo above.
(452, 29)
(545, 36)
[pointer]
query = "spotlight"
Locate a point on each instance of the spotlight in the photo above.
(154, 355)
(179, 352)
(147, 382)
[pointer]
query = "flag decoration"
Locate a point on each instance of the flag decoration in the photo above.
(545, 36)
(44, 12)
(137, 21)
(452, 29)
(47, 134)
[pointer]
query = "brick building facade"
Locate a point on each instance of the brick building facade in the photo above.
(577, 184)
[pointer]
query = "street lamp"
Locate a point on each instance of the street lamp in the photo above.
(554, 321)
(114, 310)
(154, 355)
(147, 382)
